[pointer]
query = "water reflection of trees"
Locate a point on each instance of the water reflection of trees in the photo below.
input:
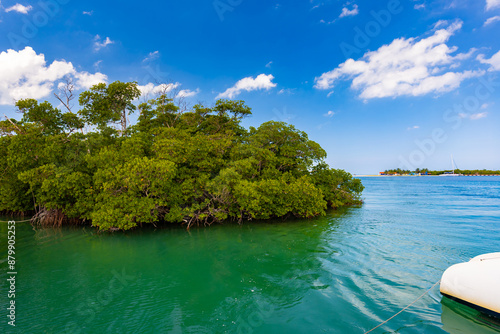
(253, 272)
(234, 278)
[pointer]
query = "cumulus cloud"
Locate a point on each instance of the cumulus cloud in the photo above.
(99, 43)
(329, 114)
(88, 13)
(410, 67)
(19, 8)
(151, 88)
(491, 20)
(349, 12)
(26, 74)
(494, 61)
(86, 80)
(490, 4)
(262, 81)
(187, 93)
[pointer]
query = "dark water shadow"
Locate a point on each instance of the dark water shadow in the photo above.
(461, 319)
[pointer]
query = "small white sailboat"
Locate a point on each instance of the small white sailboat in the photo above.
(475, 283)
(453, 167)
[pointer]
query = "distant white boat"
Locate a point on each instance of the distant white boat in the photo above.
(475, 283)
(453, 167)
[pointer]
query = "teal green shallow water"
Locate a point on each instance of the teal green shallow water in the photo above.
(343, 273)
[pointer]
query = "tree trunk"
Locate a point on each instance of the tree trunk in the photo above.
(124, 121)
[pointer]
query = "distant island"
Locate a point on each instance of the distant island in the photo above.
(425, 171)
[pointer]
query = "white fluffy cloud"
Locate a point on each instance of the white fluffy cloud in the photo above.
(86, 80)
(262, 81)
(19, 8)
(99, 44)
(25, 74)
(187, 93)
(404, 67)
(494, 61)
(491, 20)
(490, 4)
(349, 12)
(151, 88)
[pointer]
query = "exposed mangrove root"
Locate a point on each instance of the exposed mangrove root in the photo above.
(52, 218)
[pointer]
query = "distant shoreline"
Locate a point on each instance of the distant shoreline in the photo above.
(373, 175)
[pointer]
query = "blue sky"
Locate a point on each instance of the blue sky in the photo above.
(379, 84)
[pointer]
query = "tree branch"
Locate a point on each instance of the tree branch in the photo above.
(13, 124)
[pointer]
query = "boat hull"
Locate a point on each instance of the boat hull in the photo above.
(475, 283)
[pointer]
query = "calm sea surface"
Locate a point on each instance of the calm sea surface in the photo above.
(342, 273)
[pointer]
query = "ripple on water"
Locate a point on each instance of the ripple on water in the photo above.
(343, 273)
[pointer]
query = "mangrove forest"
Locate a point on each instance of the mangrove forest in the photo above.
(192, 166)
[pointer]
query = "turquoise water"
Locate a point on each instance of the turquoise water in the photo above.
(343, 273)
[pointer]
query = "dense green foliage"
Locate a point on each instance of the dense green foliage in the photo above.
(439, 172)
(196, 166)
